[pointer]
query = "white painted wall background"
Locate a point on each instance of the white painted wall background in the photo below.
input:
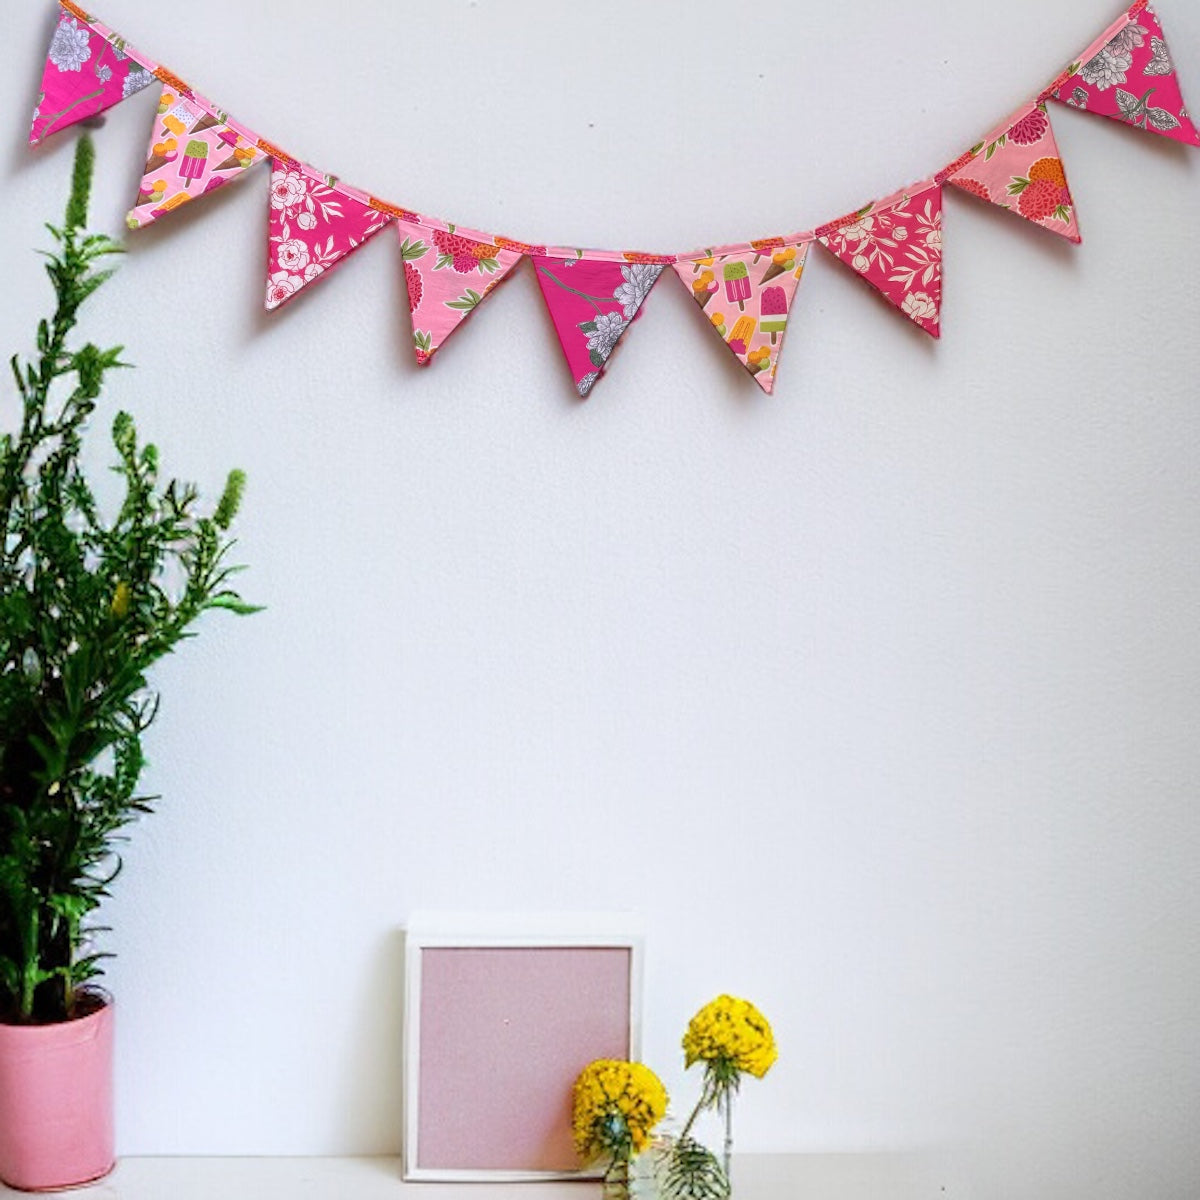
(877, 698)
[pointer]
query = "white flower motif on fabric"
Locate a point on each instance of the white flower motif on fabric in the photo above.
(307, 220)
(858, 231)
(608, 330)
(312, 271)
(104, 73)
(1107, 69)
(920, 306)
(135, 81)
(293, 254)
(639, 279)
(1128, 39)
(585, 384)
(282, 285)
(287, 190)
(69, 48)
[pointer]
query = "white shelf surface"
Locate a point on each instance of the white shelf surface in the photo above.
(755, 1177)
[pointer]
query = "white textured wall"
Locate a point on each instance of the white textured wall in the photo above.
(877, 698)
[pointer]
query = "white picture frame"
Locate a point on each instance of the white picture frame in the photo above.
(438, 943)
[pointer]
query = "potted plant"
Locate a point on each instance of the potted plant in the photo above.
(89, 601)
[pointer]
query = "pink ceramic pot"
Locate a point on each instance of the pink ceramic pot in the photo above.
(56, 1102)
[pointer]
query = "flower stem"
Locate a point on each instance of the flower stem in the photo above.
(594, 301)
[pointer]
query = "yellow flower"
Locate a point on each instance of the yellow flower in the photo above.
(731, 1035)
(120, 601)
(617, 1104)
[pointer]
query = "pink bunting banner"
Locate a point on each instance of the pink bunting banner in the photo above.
(745, 292)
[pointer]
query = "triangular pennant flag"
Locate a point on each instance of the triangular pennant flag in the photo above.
(746, 298)
(86, 72)
(592, 302)
(447, 275)
(895, 245)
(313, 227)
(1018, 167)
(193, 150)
(1127, 74)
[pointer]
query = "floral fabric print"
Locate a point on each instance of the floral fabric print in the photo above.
(193, 151)
(1131, 78)
(746, 299)
(1018, 167)
(895, 245)
(312, 228)
(592, 305)
(448, 274)
(85, 73)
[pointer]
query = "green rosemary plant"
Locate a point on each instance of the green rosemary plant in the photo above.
(88, 603)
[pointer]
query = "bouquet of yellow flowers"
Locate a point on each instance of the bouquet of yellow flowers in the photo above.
(617, 1104)
(730, 1037)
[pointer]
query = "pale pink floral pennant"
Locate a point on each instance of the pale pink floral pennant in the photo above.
(1128, 75)
(746, 298)
(895, 245)
(88, 69)
(313, 227)
(194, 149)
(592, 304)
(448, 271)
(1018, 167)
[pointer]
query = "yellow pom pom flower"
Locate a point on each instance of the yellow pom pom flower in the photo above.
(617, 1104)
(729, 1036)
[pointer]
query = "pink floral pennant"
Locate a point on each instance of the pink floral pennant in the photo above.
(1128, 75)
(194, 149)
(746, 298)
(313, 227)
(895, 245)
(448, 273)
(88, 69)
(1018, 167)
(592, 303)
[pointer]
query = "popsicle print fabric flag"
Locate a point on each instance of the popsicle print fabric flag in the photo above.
(448, 274)
(312, 227)
(895, 245)
(592, 304)
(85, 73)
(746, 298)
(1018, 167)
(193, 150)
(1129, 76)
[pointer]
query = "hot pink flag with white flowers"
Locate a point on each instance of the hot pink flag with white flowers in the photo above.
(592, 303)
(895, 245)
(313, 227)
(747, 298)
(1018, 167)
(194, 149)
(88, 69)
(448, 272)
(1128, 74)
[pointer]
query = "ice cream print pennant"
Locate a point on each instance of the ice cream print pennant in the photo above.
(312, 228)
(87, 70)
(592, 304)
(895, 245)
(1018, 167)
(448, 272)
(1129, 75)
(746, 298)
(194, 149)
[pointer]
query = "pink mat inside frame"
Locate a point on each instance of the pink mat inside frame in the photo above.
(504, 1031)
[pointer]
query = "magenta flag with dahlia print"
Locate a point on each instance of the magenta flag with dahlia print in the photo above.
(194, 149)
(895, 245)
(592, 303)
(1018, 167)
(1128, 75)
(746, 298)
(448, 274)
(313, 227)
(88, 69)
